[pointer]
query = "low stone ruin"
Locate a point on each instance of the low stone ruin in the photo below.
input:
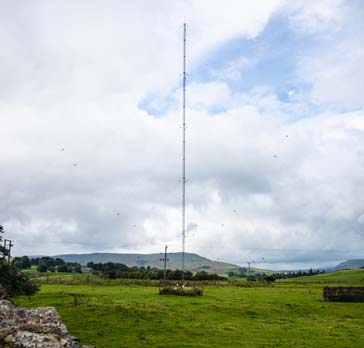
(33, 328)
(344, 294)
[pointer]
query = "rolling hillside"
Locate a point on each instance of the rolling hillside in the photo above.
(193, 262)
(355, 276)
(350, 264)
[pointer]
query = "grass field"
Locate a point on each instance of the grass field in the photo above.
(32, 272)
(285, 315)
(355, 276)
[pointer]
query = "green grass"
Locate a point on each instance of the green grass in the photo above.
(31, 272)
(355, 276)
(285, 315)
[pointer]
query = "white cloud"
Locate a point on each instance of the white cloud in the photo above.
(337, 78)
(233, 70)
(311, 16)
(361, 219)
(208, 96)
(332, 67)
(85, 169)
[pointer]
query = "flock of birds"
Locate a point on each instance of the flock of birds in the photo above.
(117, 213)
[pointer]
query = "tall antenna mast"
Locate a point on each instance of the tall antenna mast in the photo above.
(184, 156)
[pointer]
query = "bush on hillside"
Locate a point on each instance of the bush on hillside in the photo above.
(11, 279)
(22, 262)
(15, 282)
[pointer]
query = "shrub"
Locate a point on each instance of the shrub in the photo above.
(15, 282)
(181, 291)
(11, 279)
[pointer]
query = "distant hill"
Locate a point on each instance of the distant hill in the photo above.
(353, 276)
(193, 262)
(350, 264)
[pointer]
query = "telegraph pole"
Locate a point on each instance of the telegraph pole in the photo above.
(5, 250)
(184, 155)
(8, 244)
(249, 262)
(165, 259)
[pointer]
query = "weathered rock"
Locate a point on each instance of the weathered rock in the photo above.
(3, 294)
(6, 332)
(6, 311)
(33, 328)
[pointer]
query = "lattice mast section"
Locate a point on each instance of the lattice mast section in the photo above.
(184, 154)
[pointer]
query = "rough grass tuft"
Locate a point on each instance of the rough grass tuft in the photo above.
(181, 291)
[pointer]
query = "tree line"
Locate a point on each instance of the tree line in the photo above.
(118, 270)
(46, 264)
(276, 275)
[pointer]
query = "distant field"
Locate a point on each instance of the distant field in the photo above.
(32, 272)
(285, 315)
(347, 277)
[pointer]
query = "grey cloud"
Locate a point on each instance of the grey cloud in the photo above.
(70, 94)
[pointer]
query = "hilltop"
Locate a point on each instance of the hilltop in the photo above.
(350, 264)
(193, 262)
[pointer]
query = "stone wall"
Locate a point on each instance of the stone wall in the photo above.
(33, 327)
(344, 294)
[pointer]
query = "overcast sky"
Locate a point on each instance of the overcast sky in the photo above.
(90, 133)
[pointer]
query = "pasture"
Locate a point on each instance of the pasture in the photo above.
(287, 314)
(354, 277)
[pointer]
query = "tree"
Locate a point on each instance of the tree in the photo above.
(15, 282)
(62, 268)
(26, 262)
(42, 268)
(59, 261)
(11, 279)
(202, 275)
(3, 251)
(22, 262)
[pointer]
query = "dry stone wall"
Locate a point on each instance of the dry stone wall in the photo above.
(33, 328)
(344, 294)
